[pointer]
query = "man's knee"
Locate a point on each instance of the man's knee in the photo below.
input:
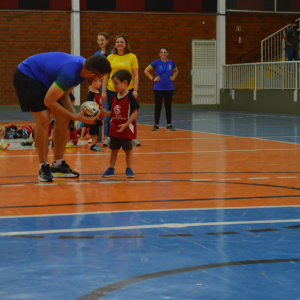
(42, 118)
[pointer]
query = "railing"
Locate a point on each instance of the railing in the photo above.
(277, 42)
(262, 76)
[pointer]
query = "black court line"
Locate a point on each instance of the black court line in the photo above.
(151, 201)
(28, 236)
(225, 232)
(263, 230)
(174, 235)
(293, 227)
(103, 291)
(127, 237)
(75, 237)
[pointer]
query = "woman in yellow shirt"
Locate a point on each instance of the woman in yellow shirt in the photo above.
(121, 58)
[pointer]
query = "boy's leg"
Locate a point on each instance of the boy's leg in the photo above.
(128, 154)
(113, 158)
(41, 135)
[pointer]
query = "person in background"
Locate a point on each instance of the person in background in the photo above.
(166, 72)
(122, 58)
(291, 37)
(103, 41)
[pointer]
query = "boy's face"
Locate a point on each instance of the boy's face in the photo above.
(119, 86)
(96, 83)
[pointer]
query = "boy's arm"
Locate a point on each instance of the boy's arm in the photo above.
(105, 112)
(130, 120)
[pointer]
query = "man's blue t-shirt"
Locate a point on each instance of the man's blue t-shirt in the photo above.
(62, 69)
(164, 70)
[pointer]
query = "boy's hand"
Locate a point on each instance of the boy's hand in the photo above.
(122, 128)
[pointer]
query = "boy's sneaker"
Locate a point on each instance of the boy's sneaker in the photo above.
(25, 134)
(95, 148)
(90, 140)
(63, 171)
(26, 144)
(45, 174)
(155, 127)
(106, 142)
(135, 142)
(4, 146)
(129, 173)
(110, 172)
(170, 127)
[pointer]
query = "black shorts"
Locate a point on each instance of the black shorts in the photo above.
(116, 143)
(30, 92)
(94, 129)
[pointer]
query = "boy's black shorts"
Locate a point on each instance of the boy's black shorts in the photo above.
(116, 143)
(30, 92)
(94, 129)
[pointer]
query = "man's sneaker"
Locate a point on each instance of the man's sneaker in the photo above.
(26, 144)
(95, 148)
(155, 127)
(45, 174)
(25, 134)
(106, 142)
(4, 146)
(63, 171)
(110, 172)
(90, 140)
(129, 173)
(136, 142)
(170, 127)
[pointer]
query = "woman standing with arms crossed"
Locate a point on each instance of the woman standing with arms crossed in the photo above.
(105, 46)
(122, 58)
(166, 72)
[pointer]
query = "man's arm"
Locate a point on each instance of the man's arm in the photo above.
(67, 110)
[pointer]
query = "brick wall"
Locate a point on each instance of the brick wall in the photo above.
(255, 28)
(146, 34)
(24, 34)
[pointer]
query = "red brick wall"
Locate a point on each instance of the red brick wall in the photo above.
(255, 28)
(146, 34)
(24, 34)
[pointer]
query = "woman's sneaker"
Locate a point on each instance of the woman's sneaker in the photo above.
(110, 172)
(129, 173)
(63, 171)
(45, 173)
(95, 148)
(170, 127)
(155, 127)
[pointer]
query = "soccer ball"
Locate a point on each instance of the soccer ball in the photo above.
(93, 109)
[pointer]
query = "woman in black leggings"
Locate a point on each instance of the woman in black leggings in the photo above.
(166, 72)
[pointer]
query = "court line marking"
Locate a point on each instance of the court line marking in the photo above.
(13, 185)
(45, 184)
(259, 178)
(167, 225)
(78, 183)
(110, 182)
(159, 153)
(231, 179)
(288, 177)
(199, 180)
(146, 210)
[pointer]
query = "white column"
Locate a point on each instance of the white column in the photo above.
(221, 44)
(75, 39)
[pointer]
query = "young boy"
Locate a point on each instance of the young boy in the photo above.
(95, 96)
(123, 112)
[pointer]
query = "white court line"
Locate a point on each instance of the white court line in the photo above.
(167, 225)
(259, 178)
(78, 183)
(12, 185)
(159, 153)
(288, 177)
(132, 181)
(146, 211)
(110, 182)
(231, 179)
(166, 181)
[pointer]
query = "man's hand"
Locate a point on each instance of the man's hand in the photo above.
(122, 128)
(81, 118)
